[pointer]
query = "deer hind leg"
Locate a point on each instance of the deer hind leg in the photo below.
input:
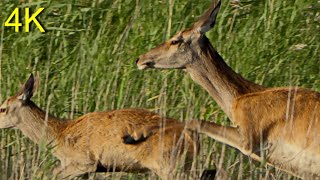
(171, 159)
(162, 167)
(228, 135)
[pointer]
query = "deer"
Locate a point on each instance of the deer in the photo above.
(278, 125)
(103, 141)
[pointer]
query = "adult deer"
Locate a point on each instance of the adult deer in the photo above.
(283, 122)
(94, 141)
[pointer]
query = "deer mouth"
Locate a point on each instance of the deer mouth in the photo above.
(145, 65)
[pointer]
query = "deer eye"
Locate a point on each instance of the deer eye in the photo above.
(174, 42)
(2, 110)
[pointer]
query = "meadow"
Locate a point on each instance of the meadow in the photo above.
(86, 63)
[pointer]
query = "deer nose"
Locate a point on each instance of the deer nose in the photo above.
(137, 60)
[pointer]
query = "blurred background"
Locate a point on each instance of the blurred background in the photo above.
(86, 63)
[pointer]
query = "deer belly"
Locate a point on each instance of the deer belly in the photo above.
(118, 167)
(292, 158)
(120, 158)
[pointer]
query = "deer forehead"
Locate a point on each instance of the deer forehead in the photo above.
(11, 99)
(181, 34)
(187, 33)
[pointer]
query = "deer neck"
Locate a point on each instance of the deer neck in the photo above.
(210, 71)
(37, 125)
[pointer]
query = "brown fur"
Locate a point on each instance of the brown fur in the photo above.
(94, 141)
(281, 122)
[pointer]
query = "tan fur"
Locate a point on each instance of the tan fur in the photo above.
(95, 140)
(283, 123)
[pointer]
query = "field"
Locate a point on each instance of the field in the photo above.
(86, 63)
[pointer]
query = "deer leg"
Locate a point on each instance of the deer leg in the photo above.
(228, 135)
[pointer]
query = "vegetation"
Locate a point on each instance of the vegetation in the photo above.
(86, 63)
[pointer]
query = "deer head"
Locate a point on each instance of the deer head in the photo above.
(184, 47)
(9, 110)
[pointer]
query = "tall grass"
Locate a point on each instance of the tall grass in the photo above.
(86, 63)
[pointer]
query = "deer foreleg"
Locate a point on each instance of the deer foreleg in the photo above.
(228, 135)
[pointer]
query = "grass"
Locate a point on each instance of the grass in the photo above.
(86, 63)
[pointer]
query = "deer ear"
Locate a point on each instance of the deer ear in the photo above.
(29, 88)
(208, 19)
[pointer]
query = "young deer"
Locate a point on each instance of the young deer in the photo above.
(282, 122)
(94, 142)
